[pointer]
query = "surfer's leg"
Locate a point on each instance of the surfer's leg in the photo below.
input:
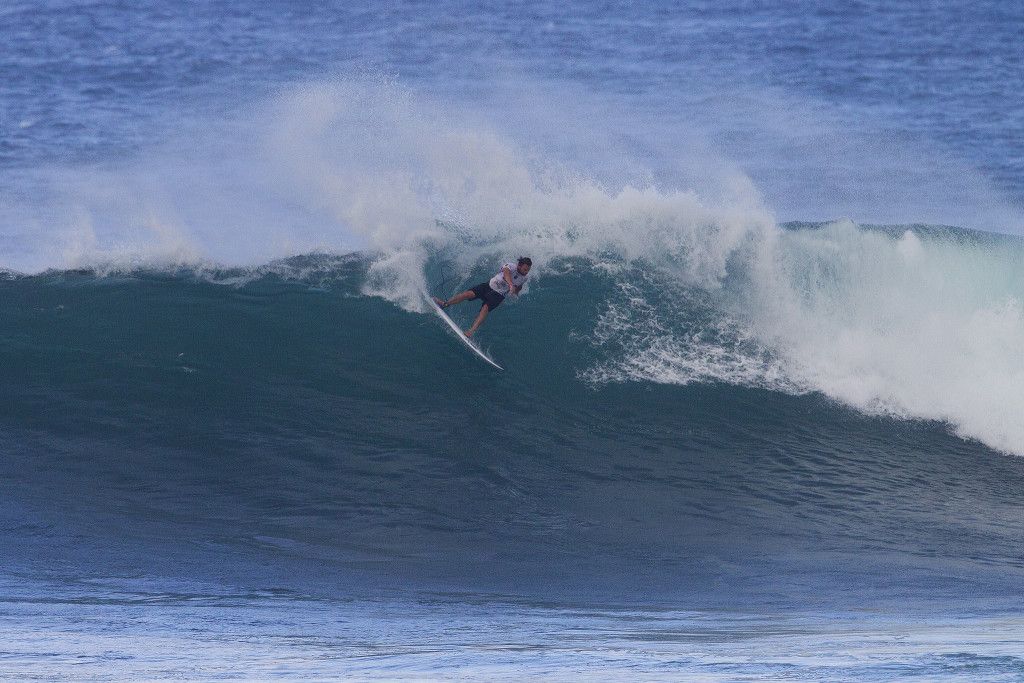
(484, 310)
(459, 298)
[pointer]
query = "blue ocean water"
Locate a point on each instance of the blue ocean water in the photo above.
(760, 417)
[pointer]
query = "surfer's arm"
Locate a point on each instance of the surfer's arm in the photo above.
(507, 273)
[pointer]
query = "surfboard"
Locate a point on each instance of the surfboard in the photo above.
(458, 331)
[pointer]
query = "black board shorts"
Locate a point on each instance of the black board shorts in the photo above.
(484, 292)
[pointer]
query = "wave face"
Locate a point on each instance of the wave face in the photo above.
(663, 429)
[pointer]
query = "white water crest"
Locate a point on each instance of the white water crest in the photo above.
(365, 164)
(913, 324)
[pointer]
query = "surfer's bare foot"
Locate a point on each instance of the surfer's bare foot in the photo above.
(469, 334)
(440, 302)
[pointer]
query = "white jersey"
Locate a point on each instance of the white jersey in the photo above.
(498, 283)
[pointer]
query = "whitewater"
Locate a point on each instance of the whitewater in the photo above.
(761, 410)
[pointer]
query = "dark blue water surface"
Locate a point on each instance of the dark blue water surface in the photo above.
(724, 447)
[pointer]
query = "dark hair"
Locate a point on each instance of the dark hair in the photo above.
(526, 260)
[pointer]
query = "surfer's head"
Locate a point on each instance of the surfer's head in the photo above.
(524, 265)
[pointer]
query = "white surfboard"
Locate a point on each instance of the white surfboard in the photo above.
(458, 331)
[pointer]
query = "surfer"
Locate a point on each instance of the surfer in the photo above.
(509, 280)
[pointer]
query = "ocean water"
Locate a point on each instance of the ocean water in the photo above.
(761, 412)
